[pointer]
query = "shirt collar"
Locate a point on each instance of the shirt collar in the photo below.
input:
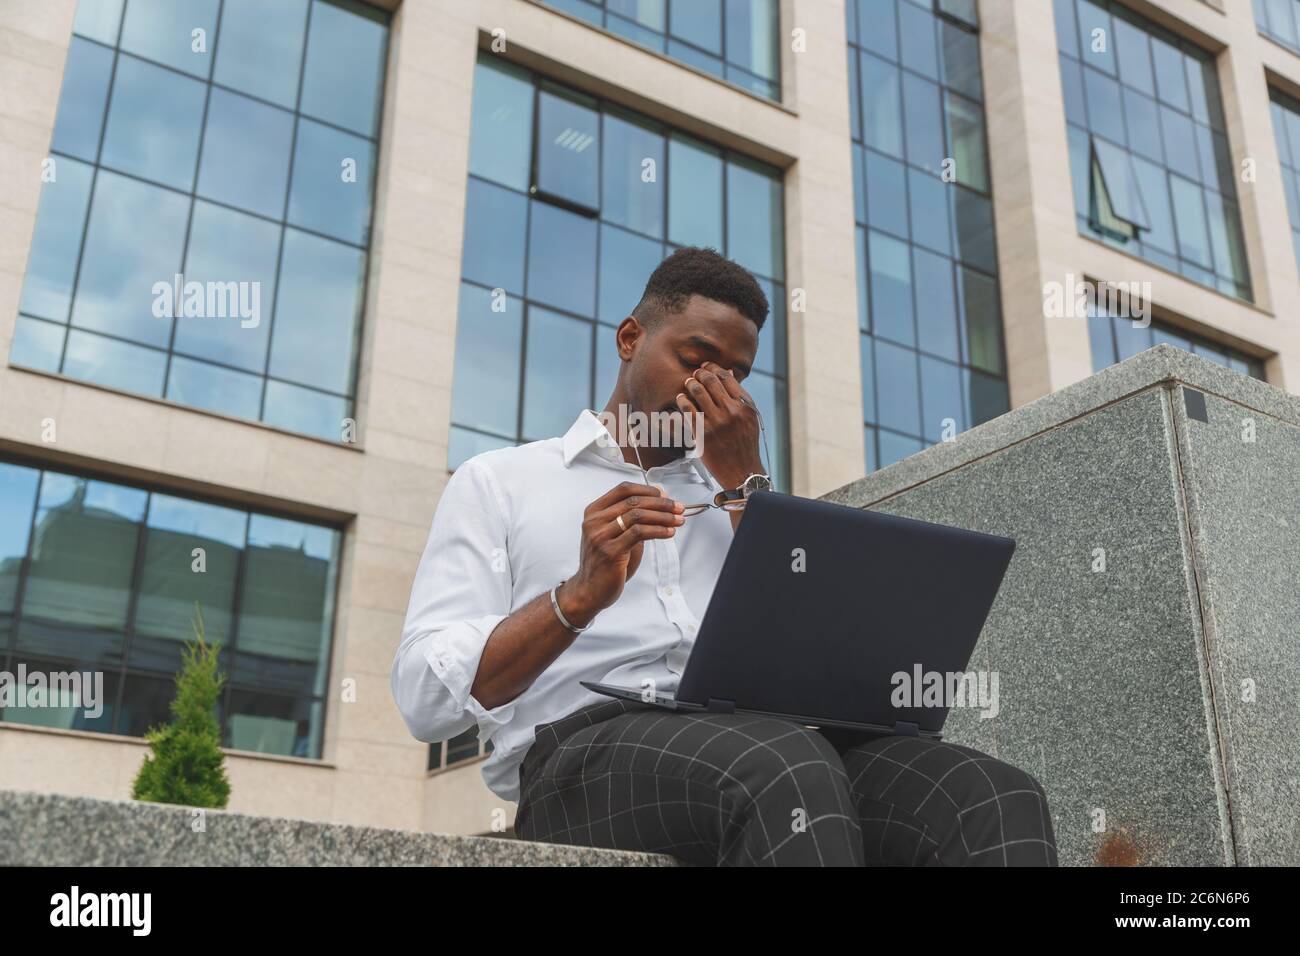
(588, 431)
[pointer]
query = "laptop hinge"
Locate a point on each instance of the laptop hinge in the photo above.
(717, 706)
(906, 728)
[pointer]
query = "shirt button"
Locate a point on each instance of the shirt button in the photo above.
(690, 628)
(668, 591)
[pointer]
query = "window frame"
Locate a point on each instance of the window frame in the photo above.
(123, 669)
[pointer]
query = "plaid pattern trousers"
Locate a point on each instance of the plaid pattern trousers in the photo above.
(743, 790)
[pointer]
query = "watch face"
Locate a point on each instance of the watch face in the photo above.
(756, 483)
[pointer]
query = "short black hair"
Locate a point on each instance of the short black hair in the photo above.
(704, 272)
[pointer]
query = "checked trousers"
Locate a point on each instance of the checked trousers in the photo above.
(743, 790)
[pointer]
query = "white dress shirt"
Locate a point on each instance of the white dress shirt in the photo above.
(508, 528)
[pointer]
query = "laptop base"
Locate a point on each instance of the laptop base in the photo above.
(716, 706)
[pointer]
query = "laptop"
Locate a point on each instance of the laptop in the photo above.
(819, 607)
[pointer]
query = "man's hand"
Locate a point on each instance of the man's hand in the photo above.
(610, 553)
(729, 445)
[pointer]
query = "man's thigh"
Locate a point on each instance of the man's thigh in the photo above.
(708, 788)
(928, 802)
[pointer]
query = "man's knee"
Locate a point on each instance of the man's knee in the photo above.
(779, 761)
(1003, 812)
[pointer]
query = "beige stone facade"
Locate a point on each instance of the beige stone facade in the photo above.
(384, 489)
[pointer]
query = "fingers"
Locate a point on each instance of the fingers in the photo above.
(634, 535)
(699, 394)
(710, 376)
(635, 510)
(728, 380)
(621, 491)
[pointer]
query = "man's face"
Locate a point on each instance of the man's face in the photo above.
(664, 356)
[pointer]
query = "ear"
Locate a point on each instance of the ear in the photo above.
(630, 333)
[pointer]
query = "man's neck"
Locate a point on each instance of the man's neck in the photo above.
(652, 455)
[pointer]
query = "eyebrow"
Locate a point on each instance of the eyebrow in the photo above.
(707, 346)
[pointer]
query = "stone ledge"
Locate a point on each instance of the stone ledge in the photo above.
(51, 829)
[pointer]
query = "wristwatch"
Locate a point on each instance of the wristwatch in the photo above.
(747, 487)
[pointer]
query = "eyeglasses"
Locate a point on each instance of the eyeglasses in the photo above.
(689, 511)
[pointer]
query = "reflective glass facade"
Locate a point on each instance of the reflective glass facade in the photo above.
(232, 145)
(737, 40)
(464, 746)
(1115, 339)
(1279, 20)
(1286, 131)
(101, 576)
(571, 204)
(1149, 156)
(932, 353)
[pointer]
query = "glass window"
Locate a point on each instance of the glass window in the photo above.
(891, 289)
(489, 345)
(943, 413)
(882, 118)
(495, 236)
(966, 134)
(99, 21)
(37, 344)
(698, 22)
(1114, 339)
(192, 553)
(626, 261)
(225, 247)
(313, 337)
(932, 348)
(1276, 19)
(557, 376)
(897, 391)
(81, 555)
(632, 188)
(166, 249)
(755, 219)
(936, 306)
(568, 149)
(214, 387)
(886, 194)
(246, 154)
(81, 101)
(695, 194)
(916, 33)
(304, 410)
(1286, 130)
(929, 210)
(114, 363)
(134, 239)
(286, 606)
(332, 176)
(1160, 183)
(153, 124)
(1115, 188)
(343, 76)
(925, 144)
(562, 259)
(752, 40)
(52, 258)
(176, 33)
(261, 48)
(501, 133)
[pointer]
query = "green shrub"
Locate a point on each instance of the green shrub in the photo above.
(185, 764)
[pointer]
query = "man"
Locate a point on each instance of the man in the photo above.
(558, 561)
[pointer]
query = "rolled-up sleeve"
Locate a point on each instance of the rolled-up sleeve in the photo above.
(462, 591)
